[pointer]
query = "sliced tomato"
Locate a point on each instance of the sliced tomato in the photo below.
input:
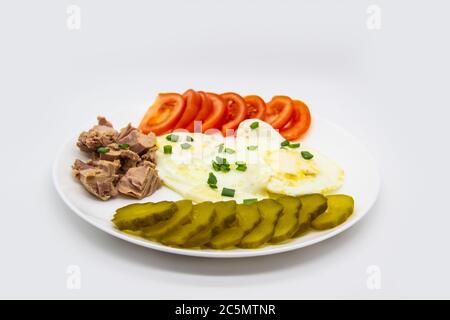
(205, 111)
(236, 111)
(192, 102)
(163, 113)
(256, 107)
(300, 122)
(279, 111)
(217, 114)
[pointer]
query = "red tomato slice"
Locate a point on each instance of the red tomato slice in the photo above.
(205, 111)
(279, 111)
(217, 114)
(162, 115)
(192, 102)
(300, 123)
(236, 111)
(256, 107)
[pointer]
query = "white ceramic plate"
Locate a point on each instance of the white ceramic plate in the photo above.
(362, 182)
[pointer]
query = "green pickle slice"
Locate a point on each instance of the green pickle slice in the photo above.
(287, 224)
(313, 205)
(263, 232)
(181, 216)
(228, 238)
(225, 215)
(340, 208)
(247, 217)
(203, 215)
(139, 215)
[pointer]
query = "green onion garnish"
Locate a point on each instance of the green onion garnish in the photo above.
(167, 149)
(172, 137)
(124, 146)
(221, 160)
(285, 143)
(241, 166)
(103, 150)
(189, 139)
(228, 192)
(216, 166)
(225, 167)
(252, 148)
(221, 147)
(294, 145)
(229, 151)
(250, 201)
(307, 155)
(254, 125)
(185, 146)
(212, 181)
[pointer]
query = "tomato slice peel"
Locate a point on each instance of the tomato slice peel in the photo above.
(256, 107)
(162, 115)
(300, 123)
(192, 107)
(236, 111)
(279, 111)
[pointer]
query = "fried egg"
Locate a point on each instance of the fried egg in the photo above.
(271, 166)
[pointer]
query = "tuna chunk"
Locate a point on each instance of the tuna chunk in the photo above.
(139, 182)
(97, 176)
(98, 136)
(137, 141)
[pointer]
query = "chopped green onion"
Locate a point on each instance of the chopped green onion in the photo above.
(167, 149)
(294, 145)
(229, 151)
(285, 143)
(189, 139)
(221, 160)
(216, 166)
(124, 146)
(250, 201)
(185, 146)
(103, 150)
(228, 192)
(241, 168)
(212, 181)
(241, 163)
(252, 148)
(221, 147)
(254, 125)
(172, 137)
(307, 155)
(225, 167)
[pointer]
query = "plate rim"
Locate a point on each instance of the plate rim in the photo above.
(242, 253)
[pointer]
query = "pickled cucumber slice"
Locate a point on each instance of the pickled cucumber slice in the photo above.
(287, 224)
(263, 232)
(200, 239)
(203, 215)
(225, 215)
(312, 206)
(247, 217)
(340, 207)
(228, 238)
(139, 215)
(181, 216)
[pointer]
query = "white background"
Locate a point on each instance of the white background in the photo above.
(389, 87)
